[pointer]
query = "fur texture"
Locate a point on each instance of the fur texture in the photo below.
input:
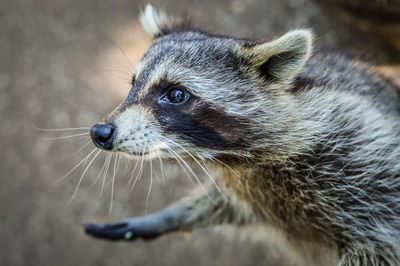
(306, 143)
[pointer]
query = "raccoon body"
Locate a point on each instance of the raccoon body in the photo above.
(305, 142)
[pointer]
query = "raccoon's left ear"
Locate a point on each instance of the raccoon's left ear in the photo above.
(280, 60)
(157, 23)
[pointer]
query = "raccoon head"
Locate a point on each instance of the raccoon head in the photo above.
(194, 92)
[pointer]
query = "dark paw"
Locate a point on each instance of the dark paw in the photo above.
(116, 231)
(119, 231)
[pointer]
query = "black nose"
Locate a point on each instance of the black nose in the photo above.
(103, 135)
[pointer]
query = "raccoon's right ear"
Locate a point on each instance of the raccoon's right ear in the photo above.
(280, 60)
(157, 23)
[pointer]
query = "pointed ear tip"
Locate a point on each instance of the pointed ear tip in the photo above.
(308, 34)
(301, 38)
(149, 6)
(147, 11)
(304, 34)
(152, 20)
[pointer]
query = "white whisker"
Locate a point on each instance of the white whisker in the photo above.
(193, 173)
(81, 178)
(133, 171)
(81, 148)
(161, 167)
(151, 184)
(178, 161)
(108, 159)
(227, 166)
(67, 137)
(201, 166)
(60, 129)
(76, 166)
(99, 174)
(118, 161)
(113, 183)
(139, 174)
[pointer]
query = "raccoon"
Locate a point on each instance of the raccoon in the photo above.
(307, 143)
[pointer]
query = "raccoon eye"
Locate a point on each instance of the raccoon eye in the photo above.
(175, 95)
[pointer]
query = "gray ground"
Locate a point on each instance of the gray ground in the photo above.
(63, 64)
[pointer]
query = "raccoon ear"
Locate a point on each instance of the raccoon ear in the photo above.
(280, 60)
(157, 23)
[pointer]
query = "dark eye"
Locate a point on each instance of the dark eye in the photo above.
(175, 95)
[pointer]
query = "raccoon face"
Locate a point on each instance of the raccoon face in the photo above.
(200, 94)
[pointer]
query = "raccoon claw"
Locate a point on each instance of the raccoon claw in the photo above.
(118, 231)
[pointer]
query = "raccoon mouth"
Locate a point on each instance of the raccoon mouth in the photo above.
(147, 153)
(140, 153)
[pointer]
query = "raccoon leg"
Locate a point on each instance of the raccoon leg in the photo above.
(206, 209)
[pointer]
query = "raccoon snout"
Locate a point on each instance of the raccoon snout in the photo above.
(103, 135)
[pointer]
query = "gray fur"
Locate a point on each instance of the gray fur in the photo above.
(321, 160)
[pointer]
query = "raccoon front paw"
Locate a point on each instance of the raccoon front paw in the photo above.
(120, 231)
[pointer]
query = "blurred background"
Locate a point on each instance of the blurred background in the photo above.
(65, 64)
